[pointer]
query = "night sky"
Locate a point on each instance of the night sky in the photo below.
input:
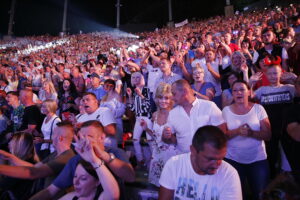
(36, 17)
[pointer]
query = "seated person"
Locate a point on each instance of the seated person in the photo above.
(51, 166)
(20, 146)
(115, 159)
(92, 179)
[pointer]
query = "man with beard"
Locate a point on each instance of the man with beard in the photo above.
(268, 37)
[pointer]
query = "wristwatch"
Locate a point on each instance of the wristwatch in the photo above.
(111, 157)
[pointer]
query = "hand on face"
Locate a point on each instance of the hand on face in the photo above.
(84, 148)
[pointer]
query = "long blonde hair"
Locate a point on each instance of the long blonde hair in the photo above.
(51, 86)
(21, 145)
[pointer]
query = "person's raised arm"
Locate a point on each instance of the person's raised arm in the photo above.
(215, 74)
(108, 182)
(119, 167)
(185, 73)
(145, 58)
(14, 160)
(26, 172)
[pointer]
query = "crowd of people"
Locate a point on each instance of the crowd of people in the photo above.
(217, 100)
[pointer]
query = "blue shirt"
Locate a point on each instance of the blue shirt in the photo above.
(65, 178)
(204, 87)
(99, 92)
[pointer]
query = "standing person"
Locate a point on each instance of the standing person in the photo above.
(139, 102)
(32, 119)
(212, 75)
(268, 37)
(20, 146)
(161, 151)
(167, 76)
(115, 159)
(227, 40)
(290, 139)
(92, 179)
(202, 89)
(48, 168)
(202, 173)
(96, 88)
(193, 112)
(113, 101)
(66, 99)
(294, 55)
(248, 126)
(17, 113)
(275, 98)
(78, 80)
(227, 97)
(49, 108)
(47, 91)
(101, 114)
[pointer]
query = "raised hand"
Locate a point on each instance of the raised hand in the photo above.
(256, 77)
(85, 149)
(138, 91)
(129, 92)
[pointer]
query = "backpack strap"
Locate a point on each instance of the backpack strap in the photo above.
(51, 132)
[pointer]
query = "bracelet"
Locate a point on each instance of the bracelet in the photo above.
(99, 165)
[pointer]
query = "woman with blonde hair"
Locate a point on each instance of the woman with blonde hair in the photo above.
(49, 108)
(22, 153)
(161, 151)
(47, 91)
(139, 103)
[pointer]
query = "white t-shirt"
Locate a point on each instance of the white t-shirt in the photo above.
(153, 75)
(105, 117)
(102, 114)
(208, 77)
(202, 113)
(46, 130)
(245, 149)
(179, 175)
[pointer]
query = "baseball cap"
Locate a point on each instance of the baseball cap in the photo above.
(94, 75)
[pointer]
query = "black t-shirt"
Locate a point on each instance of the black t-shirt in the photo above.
(32, 116)
(290, 146)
